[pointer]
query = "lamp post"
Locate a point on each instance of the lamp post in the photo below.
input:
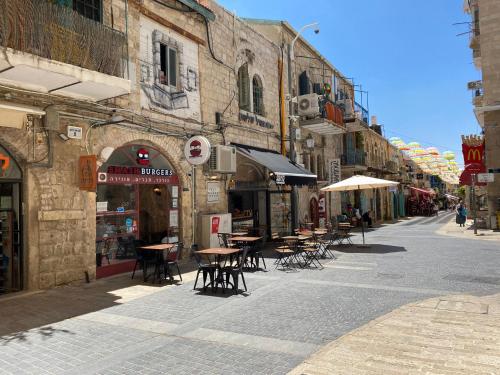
(291, 120)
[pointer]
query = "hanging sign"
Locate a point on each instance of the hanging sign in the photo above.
(280, 179)
(485, 177)
(197, 150)
(334, 171)
(87, 176)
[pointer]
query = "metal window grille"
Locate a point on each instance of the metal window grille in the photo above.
(89, 8)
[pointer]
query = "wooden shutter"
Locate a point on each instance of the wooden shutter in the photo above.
(244, 88)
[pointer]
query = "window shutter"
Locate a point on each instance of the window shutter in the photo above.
(172, 67)
(244, 88)
(317, 88)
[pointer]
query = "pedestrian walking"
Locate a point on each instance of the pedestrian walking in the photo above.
(461, 214)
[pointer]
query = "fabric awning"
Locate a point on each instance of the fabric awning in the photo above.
(423, 191)
(285, 172)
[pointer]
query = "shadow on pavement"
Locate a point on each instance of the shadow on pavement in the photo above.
(372, 249)
(36, 312)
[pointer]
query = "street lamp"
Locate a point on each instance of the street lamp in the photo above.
(292, 118)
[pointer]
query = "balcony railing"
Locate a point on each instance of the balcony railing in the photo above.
(59, 33)
(356, 157)
(361, 112)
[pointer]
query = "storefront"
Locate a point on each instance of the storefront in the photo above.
(11, 249)
(260, 192)
(137, 202)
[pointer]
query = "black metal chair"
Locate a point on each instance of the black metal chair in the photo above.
(141, 258)
(256, 252)
(234, 272)
(172, 259)
(206, 269)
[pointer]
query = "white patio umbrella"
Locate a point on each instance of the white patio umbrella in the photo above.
(358, 182)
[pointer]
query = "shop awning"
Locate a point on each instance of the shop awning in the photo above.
(423, 191)
(283, 170)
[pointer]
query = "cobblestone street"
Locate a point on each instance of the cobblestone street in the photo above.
(119, 327)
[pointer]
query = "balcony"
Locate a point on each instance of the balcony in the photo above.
(361, 118)
(330, 120)
(354, 160)
(51, 48)
(391, 167)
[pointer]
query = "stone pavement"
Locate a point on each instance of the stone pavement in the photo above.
(451, 335)
(116, 326)
(452, 229)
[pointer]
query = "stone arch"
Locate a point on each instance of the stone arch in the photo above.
(170, 147)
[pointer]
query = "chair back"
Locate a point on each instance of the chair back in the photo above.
(175, 252)
(196, 257)
(223, 239)
(241, 261)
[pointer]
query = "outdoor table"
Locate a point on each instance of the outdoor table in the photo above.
(158, 250)
(218, 252)
(238, 234)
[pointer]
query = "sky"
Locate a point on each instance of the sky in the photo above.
(405, 53)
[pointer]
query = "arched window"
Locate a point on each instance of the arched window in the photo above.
(244, 88)
(258, 96)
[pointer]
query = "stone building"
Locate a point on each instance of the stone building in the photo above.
(318, 132)
(484, 42)
(128, 95)
(92, 138)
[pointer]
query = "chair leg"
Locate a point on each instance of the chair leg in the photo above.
(178, 271)
(135, 266)
(243, 279)
(196, 280)
(205, 280)
(263, 261)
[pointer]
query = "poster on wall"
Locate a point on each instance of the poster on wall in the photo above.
(87, 176)
(215, 224)
(175, 191)
(174, 218)
(213, 192)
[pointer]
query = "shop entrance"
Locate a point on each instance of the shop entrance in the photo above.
(11, 254)
(314, 212)
(137, 204)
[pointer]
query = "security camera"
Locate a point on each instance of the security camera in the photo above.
(316, 31)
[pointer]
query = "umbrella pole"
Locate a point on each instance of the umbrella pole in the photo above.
(362, 224)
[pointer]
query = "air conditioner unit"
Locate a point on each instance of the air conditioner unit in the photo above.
(223, 159)
(308, 105)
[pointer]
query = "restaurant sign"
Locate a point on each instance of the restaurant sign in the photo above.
(119, 179)
(87, 166)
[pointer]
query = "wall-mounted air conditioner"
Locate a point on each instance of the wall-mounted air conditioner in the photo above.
(223, 159)
(308, 105)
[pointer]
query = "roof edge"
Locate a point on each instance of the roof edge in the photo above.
(197, 7)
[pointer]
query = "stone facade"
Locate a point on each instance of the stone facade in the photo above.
(486, 45)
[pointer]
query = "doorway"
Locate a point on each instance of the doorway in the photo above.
(11, 249)
(314, 212)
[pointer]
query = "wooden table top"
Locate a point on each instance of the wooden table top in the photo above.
(159, 247)
(245, 238)
(218, 251)
(239, 234)
(296, 238)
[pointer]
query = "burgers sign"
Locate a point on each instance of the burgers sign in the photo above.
(197, 150)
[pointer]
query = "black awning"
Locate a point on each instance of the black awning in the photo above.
(284, 171)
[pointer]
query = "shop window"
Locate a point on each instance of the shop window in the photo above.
(168, 65)
(137, 202)
(244, 88)
(258, 96)
(89, 8)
